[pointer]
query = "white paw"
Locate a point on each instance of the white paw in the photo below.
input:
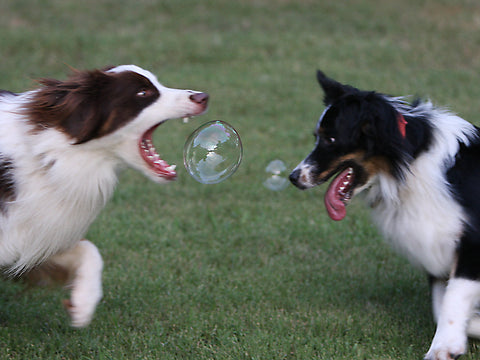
(447, 348)
(87, 283)
(81, 308)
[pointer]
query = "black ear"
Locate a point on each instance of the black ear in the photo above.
(332, 89)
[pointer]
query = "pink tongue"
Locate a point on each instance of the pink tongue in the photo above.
(333, 200)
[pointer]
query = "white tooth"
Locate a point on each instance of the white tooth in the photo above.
(186, 119)
(346, 182)
(171, 168)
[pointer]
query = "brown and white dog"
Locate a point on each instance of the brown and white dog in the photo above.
(61, 147)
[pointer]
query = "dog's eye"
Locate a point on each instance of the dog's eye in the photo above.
(328, 140)
(323, 137)
(144, 93)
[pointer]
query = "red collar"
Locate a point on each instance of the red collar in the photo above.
(402, 123)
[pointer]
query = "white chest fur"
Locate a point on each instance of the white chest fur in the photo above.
(420, 216)
(424, 223)
(60, 189)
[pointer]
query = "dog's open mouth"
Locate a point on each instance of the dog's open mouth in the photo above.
(150, 156)
(339, 193)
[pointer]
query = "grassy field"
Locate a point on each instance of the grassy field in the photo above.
(234, 270)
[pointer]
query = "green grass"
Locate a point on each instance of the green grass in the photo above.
(235, 271)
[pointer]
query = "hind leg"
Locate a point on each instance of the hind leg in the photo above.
(438, 288)
(81, 268)
(473, 329)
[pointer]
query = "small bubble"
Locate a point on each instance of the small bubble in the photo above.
(213, 152)
(277, 179)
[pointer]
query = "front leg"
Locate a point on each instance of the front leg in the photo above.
(450, 340)
(459, 302)
(81, 267)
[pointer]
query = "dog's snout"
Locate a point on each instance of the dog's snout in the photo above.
(200, 98)
(296, 179)
(294, 175)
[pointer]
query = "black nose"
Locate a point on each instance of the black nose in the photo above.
(200, 98)
(295, 174)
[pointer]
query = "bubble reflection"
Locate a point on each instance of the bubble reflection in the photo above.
(277, 179)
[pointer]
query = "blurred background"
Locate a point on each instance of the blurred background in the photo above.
(236, 270)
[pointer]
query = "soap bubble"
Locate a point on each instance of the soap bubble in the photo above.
(277, 179)
(213, 152)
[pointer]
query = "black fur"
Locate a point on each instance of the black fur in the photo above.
(464, 178)
(7, 183)
(366, 120)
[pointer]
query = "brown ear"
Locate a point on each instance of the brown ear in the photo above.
(71, 105)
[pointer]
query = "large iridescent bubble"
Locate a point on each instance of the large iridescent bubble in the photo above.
(213, 152)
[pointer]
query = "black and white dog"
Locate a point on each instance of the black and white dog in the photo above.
(60, 148)
(419, 168)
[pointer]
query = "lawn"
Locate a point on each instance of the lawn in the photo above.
(235, 270)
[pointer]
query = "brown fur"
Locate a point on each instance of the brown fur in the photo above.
(90, 104)
(47, 274)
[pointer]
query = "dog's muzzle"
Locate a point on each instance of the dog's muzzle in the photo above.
(295, 179)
